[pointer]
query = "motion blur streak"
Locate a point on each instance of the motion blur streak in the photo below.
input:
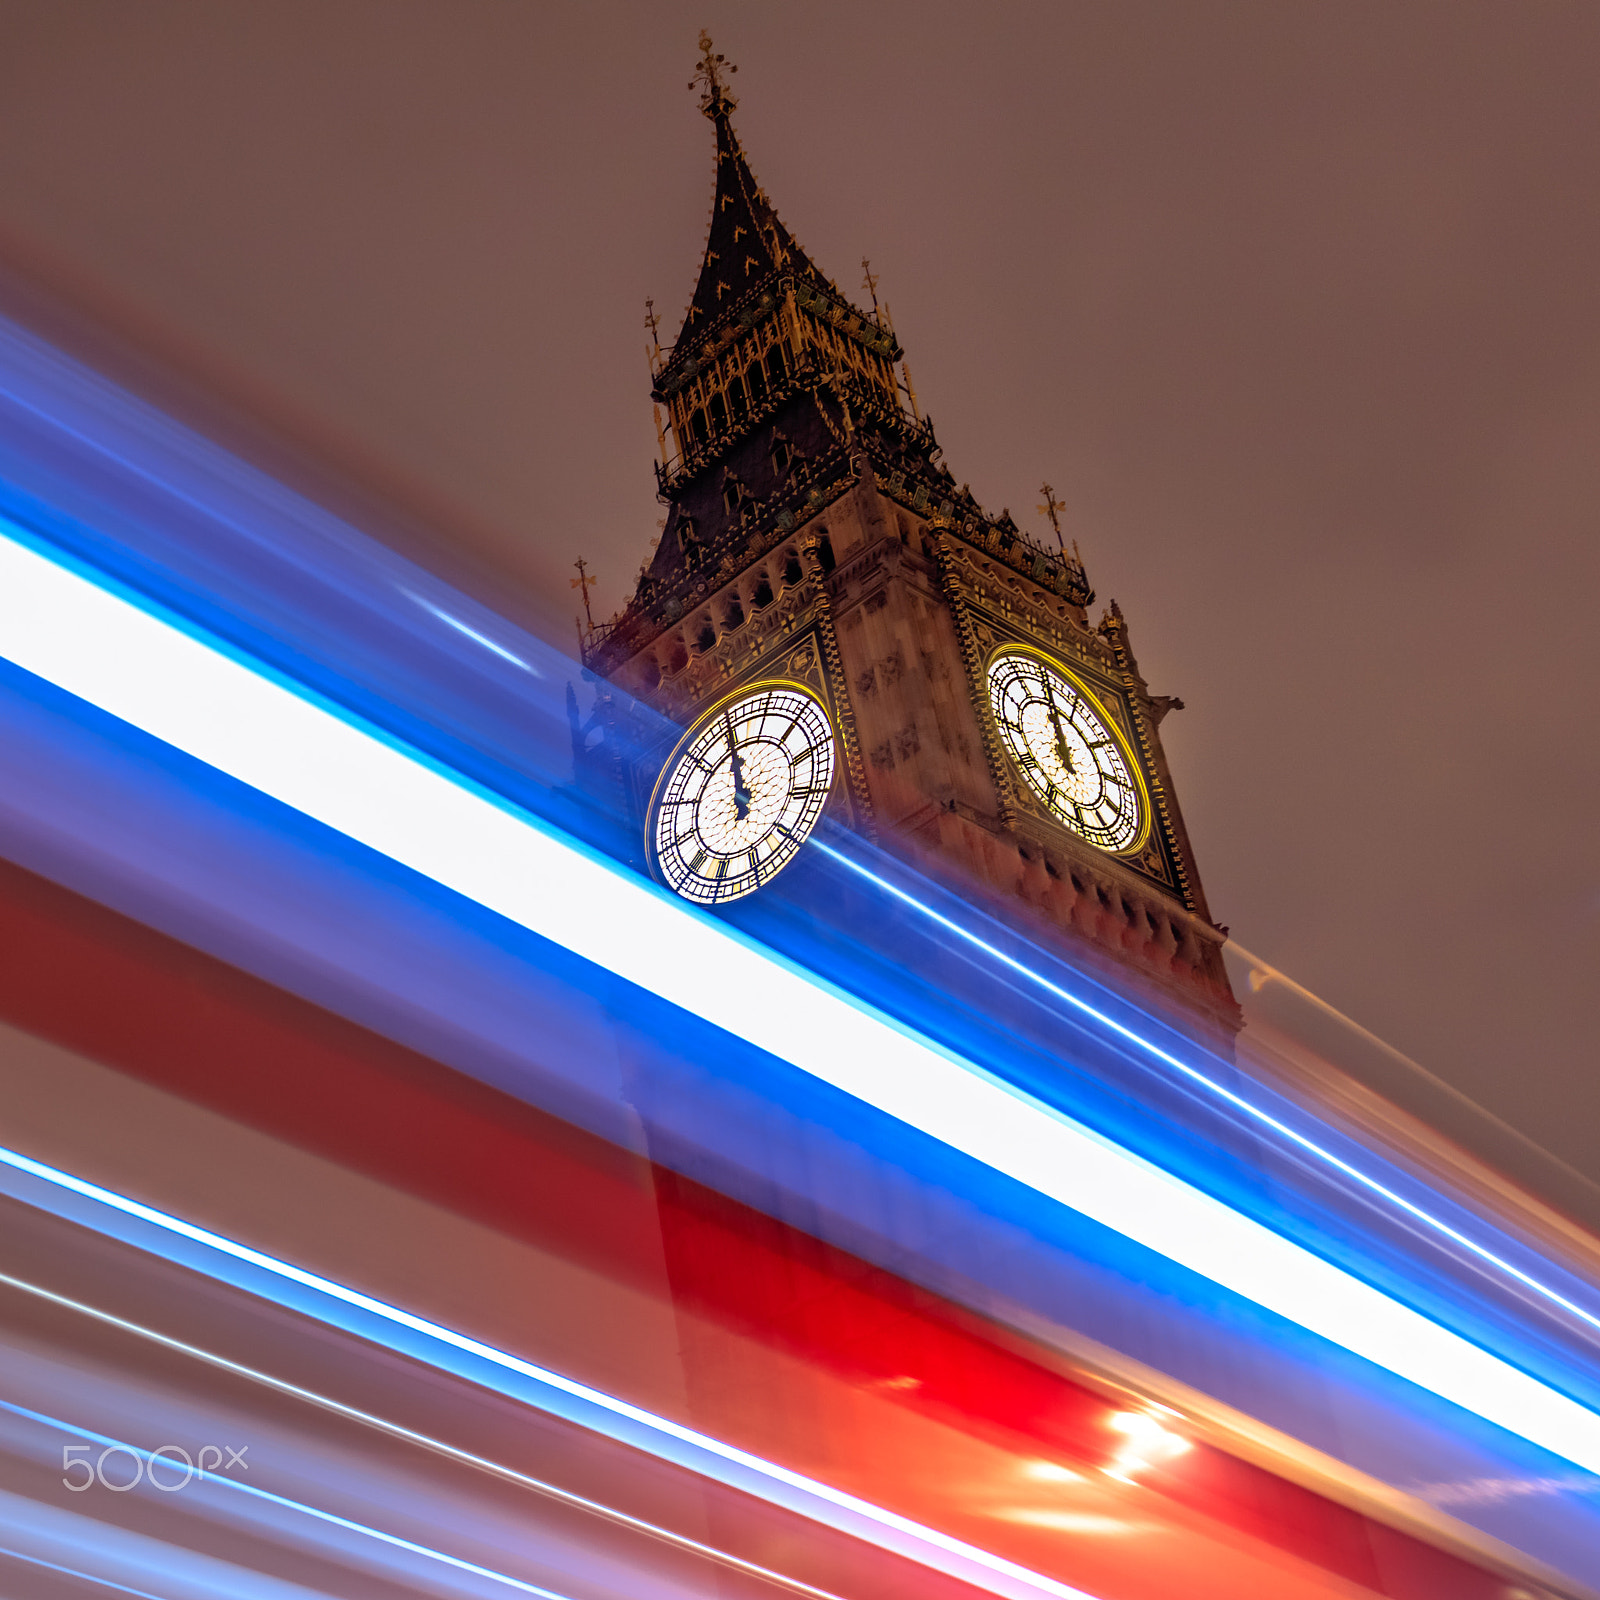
(806, 1495)
(468, 631)
(423, 1441)
(1238, 1101)
(410, 1546)
(76, 1575)
(249, 723)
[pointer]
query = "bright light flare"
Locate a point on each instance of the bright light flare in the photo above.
(1078, 1522)
(1149, 1443)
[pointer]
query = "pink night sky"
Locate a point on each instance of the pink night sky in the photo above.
(1296, 306)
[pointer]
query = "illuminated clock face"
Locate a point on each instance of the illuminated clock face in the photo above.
(1071, 759)
(741, 793)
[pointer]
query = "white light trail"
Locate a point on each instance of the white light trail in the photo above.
(1238, 1101)
(248, 722)
(317, 1513)
(889, 1530)
(472, 633)
(423, 1441)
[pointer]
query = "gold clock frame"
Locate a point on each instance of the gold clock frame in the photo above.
(707, 714)
(1109, 720)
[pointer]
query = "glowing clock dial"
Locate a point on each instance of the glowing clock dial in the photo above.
(741, 793)
(1066, 751)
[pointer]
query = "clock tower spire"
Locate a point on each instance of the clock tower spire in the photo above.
(820, 569)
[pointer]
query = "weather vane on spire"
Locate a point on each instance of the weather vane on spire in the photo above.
(870, 283)
(1052, 509)
(584, 582)
(714, 96)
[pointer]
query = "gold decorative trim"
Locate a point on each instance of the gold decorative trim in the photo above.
(706, 714)
(1108, 715)
(839, 691)
(972, 660)
(1157, 789)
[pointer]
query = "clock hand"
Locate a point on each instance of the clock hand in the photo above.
(741, 795)
(1063, 755)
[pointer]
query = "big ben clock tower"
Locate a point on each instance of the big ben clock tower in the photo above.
(837, 624)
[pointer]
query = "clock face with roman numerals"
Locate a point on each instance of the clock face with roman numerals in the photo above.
(741, 793)
(1066, 750)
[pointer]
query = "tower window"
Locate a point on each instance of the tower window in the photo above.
(734, 617)
(707, 638)
(755, 380)
(776, 370)
(736, 398)
(782, 456)
(733, 495)
(697, 427)
(792, 572)
(763, 595)
(717, 411)
(825, 553)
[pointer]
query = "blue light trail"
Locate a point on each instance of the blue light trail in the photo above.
(317, 1513)
(109, 648)
(469, 632)
(630, 1423)
(422, 1441)
(77, 1575)
(1238, 1101)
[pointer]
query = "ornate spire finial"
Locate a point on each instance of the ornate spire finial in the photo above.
(584, 582)
(715, 99)
(870, 283)
(1077, 588)
(1052, 509)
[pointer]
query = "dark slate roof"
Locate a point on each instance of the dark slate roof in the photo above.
(750, 461)
(747, 243)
